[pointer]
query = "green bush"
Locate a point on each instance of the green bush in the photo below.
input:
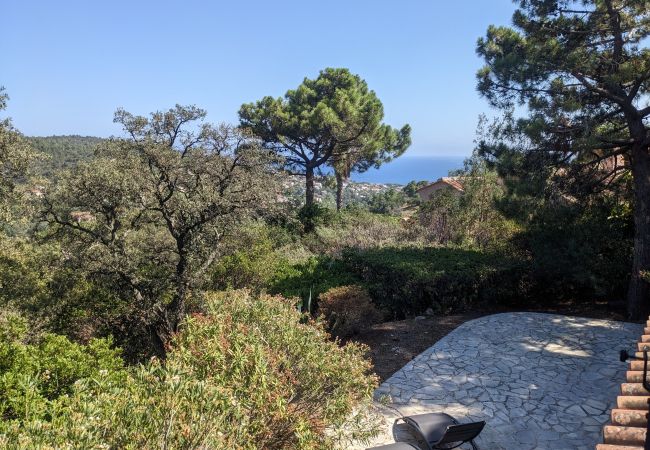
(307, 280)
(314, 215)
(410, 280)
(254, 256)
(579, 253)
(387, 202)
(243, 374)
(360, 229)
(347, 310)
(32, 376)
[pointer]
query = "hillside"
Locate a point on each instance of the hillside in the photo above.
(62, 151)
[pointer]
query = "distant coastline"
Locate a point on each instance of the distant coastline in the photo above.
(407, 168)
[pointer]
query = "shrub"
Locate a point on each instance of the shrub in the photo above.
(254, 256)
(244, 374)
(347, 310)
(310, 278)
(410, 280)
(32, 376)
(355, 228)
(579, 253)
(387, 202)
(251, 265)
(314, 215)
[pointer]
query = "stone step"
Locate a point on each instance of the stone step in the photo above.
(646, 330)
(642, 345)
(637, 365)
(634, 376)
(624, 435)
(617, 447)
(629, 417)
(633, 389)
(639, 402)
(645, 337)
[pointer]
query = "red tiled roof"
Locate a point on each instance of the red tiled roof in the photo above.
(454, 182)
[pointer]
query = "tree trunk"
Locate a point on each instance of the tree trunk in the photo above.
(638, 298)
(309, 187)
(339, 190)
(169, 318)
(171, 314)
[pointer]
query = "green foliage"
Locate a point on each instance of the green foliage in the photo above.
(62, 152)
(333, 119)
(472, 218)
(581, 72)
(314, 215)
(34, 376)
(409, 280)
(388, 202)
(578, 253)
(310, 278)
(16, 156)
(412, 187)
(347, 310)
(148, 213)
(254, 255)
(245, 374)
(358, 228)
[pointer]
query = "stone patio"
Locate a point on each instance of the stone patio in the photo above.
(540, 381)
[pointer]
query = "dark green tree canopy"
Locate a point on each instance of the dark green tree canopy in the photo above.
(325, 119)
(581, 70)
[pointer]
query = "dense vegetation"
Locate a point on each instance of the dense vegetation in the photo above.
(242, 373)
(582, 70)
(62, 152)
(158, 290)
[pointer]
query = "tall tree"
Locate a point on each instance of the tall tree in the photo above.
(383, 146)
(583, 72)
(325, 118)
(149, 211)
(15, 157)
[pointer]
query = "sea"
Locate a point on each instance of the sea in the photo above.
(409, 168)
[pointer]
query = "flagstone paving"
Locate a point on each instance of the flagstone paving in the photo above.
(540, 381)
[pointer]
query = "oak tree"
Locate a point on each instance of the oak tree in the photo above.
(150, 210)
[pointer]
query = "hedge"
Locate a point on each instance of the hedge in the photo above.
(408, 281)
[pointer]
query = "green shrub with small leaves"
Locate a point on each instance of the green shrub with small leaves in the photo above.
(308, 279)
(245, 373)
(407, 281)
(34, 375)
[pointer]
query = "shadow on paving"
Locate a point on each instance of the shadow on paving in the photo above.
(540, 381)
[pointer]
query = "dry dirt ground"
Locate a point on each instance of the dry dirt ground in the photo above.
(393, 344)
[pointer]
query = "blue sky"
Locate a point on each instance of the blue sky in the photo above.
(67, 65)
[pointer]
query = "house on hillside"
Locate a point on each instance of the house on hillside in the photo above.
(453, 183)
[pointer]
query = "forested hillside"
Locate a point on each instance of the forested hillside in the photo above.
(62, 152)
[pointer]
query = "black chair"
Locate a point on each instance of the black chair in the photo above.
(395, 446)
(441, 431)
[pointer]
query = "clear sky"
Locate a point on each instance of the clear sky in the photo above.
(67, 65)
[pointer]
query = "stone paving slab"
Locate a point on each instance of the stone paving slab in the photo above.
(540, 381)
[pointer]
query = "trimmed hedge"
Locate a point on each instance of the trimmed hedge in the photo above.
(407, 281)
(311, 278)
